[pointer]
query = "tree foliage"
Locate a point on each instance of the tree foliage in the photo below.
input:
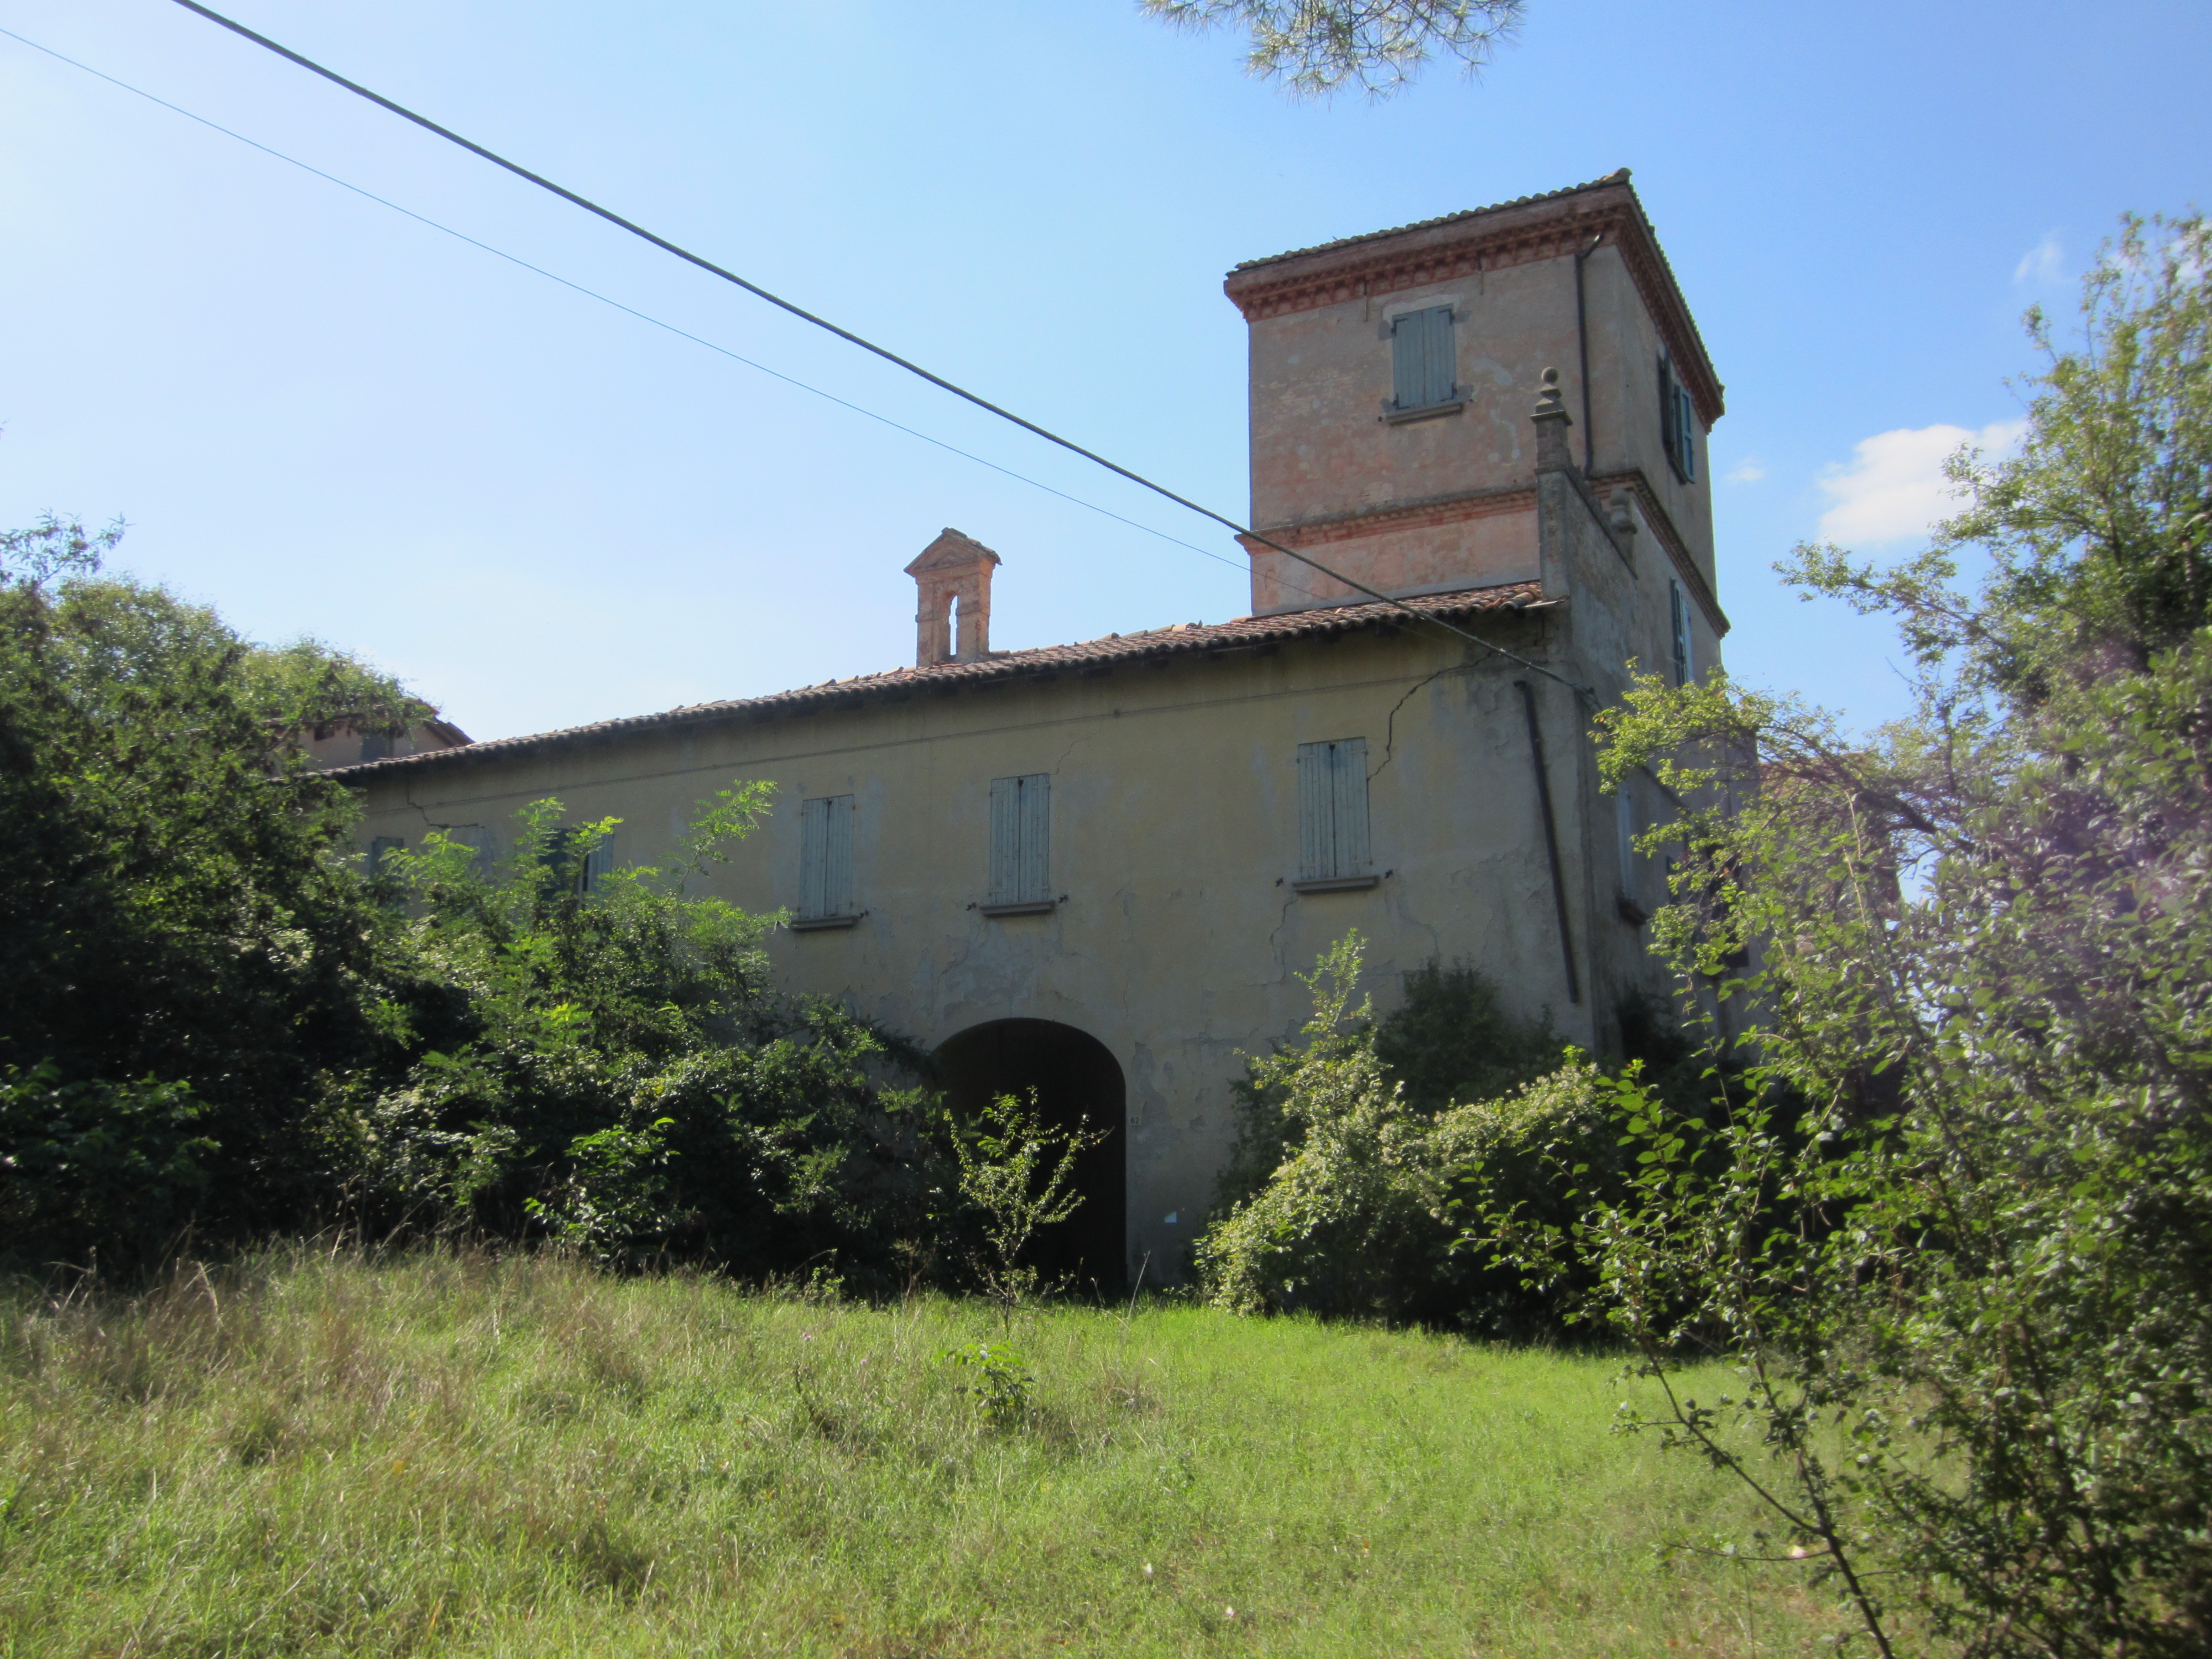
(1317, 47)
(211, 1017)
(1969, 1297)
(175, 911)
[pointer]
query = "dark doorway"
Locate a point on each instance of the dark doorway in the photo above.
(1075, 1076)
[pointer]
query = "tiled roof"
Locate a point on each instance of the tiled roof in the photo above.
(1184, 639)
(1619, 177)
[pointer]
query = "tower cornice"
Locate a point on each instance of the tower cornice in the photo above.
(1604, 213)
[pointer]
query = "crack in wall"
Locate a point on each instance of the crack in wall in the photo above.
(1390, 726)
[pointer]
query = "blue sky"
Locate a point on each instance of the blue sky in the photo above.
(327, 419)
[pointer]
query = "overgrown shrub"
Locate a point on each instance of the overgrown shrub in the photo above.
(614, 1068)
(1358, 1216)
(1451, 1040)
(99, 1172)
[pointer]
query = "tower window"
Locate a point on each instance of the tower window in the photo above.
(1678, 605)
(1423, 366)
(1678, 423)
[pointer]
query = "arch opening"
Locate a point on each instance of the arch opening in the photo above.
(1076, 1077)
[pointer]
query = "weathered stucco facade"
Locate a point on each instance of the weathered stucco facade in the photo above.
(1144, 839)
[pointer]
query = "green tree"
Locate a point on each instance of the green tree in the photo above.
(176, 911)
(1969, 1297)
(1317, 47)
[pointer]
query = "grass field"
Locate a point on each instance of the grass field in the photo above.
(448, 1454)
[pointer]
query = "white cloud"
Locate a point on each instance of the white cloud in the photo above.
(2043, 263)
(1749, 470)
(1894, 487)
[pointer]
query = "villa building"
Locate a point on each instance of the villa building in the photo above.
(1097, 868)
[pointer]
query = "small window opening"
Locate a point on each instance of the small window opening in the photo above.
(825, 857)
(1423, 363)
(1021, 829)
(1677, 604)
(1333, 844)
(1678, 423)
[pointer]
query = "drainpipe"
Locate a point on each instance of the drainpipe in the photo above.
(1551, 838)
(1582, 345)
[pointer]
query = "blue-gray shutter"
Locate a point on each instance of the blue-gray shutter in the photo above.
(1423, 366)
(1686, 431)
(1667, 412)
(825, 856)
(1333, 809)
(598, 864)
(1005, 841)
(1036, 837)
(1348, 768)
(377, 846)
(837, 889)
(814, 858)
(1438, 360)
(1316, 813)
(1021, 840)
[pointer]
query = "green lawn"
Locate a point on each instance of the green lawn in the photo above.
(447, 1456)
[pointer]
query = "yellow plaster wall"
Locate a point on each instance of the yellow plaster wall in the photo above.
(1175, 838)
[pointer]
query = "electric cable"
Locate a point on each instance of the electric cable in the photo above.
(645, 317)
(851, 338)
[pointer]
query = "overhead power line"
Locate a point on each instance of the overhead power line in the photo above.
(621, 305)
(851, 338)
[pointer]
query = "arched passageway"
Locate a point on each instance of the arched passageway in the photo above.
(1076, 1077)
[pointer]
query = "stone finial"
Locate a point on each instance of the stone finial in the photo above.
(952, 568)
(1552, 423)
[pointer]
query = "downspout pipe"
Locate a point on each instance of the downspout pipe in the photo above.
(1551, 839)
(1581, 346)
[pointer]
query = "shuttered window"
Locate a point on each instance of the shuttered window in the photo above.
(1678, 423)
(1677, 604)
(1423, 368)
(1333, 809)
(377, 846)
(1021, 832)
(598, 864)
(825, 856)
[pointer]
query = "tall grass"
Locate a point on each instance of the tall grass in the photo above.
(455, 1455)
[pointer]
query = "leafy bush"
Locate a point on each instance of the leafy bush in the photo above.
(613, 1067)
(1451, 1041)
(93, 1171)
(1359, 1215)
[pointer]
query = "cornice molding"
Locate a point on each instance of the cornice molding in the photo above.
(1424, 514)
(1555, 229)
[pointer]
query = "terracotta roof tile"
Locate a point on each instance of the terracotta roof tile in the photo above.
(1180, 639)
(1619, 177)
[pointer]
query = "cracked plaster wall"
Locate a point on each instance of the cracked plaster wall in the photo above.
(1174, 839)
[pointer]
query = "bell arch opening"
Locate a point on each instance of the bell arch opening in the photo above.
(1076, 1077)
